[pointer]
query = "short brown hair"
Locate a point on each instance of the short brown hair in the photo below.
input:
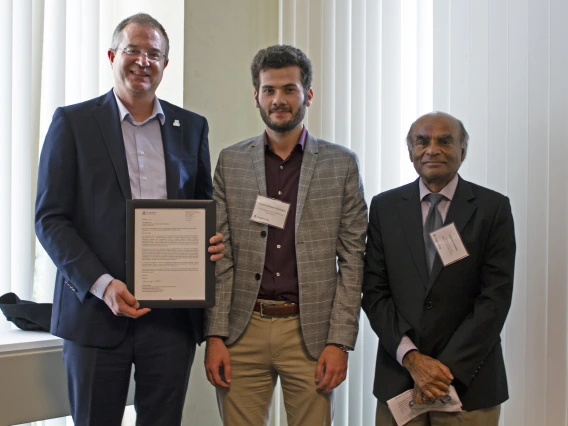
(281, 56)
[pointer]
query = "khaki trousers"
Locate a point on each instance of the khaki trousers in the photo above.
(484, 417)
(270, 348)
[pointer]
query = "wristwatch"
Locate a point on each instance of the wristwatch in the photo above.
(342, 347)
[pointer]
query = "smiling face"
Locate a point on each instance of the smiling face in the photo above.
(436, 149)
(136, 76)
(281, 99)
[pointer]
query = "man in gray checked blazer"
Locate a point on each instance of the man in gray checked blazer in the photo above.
(293, 215)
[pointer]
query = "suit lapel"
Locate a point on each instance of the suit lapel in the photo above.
(172, 142)
(411, 219)
(309, 161)
(257, 147)
(460, 212)
(107, 116)
(461, 209)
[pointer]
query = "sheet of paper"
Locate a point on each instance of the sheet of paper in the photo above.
(449, 244)
(169, 255)
(270, 212)
(403, 409)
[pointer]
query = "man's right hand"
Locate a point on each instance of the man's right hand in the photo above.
(121, 302)
(217, 363)
(430, 376)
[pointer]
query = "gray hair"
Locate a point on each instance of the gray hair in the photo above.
(139, 19)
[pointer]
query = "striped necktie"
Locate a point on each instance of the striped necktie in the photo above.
(433, 222)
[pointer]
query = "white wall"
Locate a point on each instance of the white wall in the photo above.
(221, 38)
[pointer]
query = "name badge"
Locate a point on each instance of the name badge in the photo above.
(270, 212)
(449, 244)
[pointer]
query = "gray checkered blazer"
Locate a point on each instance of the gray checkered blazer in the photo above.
(331, 222)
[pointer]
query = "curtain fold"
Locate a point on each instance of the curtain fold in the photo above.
(6, 158)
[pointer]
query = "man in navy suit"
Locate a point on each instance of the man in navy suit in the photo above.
(439, 325)
(126, 144)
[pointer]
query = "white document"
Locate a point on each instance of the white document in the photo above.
(169, 259)
(403, 410)
(449, 244)
(270, 212)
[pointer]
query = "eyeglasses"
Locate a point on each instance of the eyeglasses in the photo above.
(152, 56)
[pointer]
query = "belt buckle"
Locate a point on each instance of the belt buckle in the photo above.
(262, 309)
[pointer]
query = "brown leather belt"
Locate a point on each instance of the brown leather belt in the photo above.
(269, 309)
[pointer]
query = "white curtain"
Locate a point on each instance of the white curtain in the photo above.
(19, 129)
(499, 66)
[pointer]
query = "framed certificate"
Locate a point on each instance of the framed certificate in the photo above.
(167, 262)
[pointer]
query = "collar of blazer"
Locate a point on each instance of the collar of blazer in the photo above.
(410, 211)
(107, 116)
(309, 161)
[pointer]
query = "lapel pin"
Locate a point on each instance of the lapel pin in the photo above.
(176, 123)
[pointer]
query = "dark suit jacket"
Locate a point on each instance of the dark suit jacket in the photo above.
(455, 315)
(83, 185)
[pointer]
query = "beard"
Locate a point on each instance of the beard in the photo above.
(297, 118)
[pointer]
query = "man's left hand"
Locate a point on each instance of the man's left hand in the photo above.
(216, 248)
(419, 397)
(331, 369)
(430, 376)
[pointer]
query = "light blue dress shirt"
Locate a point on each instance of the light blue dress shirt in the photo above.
(146, 166)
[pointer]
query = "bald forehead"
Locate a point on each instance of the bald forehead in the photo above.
(434, 123)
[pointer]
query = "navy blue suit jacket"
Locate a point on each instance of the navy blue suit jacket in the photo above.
(456, 313)
(80, 220)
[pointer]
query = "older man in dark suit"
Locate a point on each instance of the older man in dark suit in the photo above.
(439, 325)
(126, 144)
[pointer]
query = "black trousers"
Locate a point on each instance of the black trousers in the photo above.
(161, 347)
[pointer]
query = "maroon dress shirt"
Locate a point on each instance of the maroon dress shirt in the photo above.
(280, 277)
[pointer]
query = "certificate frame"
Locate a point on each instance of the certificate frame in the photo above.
(210, 228)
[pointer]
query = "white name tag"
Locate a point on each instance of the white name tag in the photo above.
(449, 244)
(270, 212)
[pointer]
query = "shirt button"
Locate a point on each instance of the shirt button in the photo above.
(278, 246)
(257, 277)
(429, 305)
(281, 167)
(144, 178)
(263, 234)
(277, 274)
(279, 192)
(141, 152)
